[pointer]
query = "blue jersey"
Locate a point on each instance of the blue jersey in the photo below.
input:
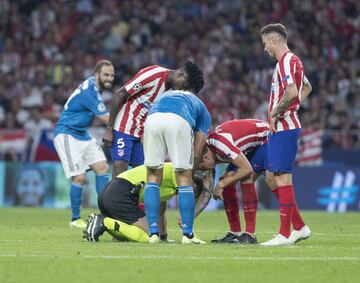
(80, 109)
(186, 105)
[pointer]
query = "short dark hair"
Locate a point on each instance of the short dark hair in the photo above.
(195, 76)
(277, 28)
(100, 64)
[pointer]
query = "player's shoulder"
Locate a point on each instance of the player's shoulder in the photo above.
(152, 69)
(89, 86)
(290, 57)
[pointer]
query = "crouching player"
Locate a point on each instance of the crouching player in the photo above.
(242, 144)
(120, 214)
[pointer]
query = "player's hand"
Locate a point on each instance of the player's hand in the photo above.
(273, 121)
(108, 137)
(218, 193)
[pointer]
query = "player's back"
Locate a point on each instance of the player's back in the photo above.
(240, 129)
(186, 105)
(245, 135)
(80, 109)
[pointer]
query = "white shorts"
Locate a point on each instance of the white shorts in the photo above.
(76, 156)
(168, 133)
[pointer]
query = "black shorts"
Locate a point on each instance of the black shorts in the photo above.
(117, 201)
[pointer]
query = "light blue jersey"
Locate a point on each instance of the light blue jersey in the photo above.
(80, 109)
(186, 105)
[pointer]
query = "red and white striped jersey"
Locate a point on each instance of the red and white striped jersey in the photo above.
(143, 89)
(235, 136)
(287, 71)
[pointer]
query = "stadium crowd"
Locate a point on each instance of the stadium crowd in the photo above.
(48, 47)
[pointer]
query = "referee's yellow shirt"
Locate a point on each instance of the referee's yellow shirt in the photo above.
(168, 185)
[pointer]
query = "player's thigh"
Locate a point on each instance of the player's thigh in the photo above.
(258, 158)
(71, 152)
(122, 146)
(281, 151)
(137, 154)
(154, 143)
(94, 154)
(179, 140)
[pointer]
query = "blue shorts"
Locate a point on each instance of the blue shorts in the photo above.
(127, 148)
(282, 149)
(257, 159)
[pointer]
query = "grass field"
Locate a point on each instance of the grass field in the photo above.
(37, 245)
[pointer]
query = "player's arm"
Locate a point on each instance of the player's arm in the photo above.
(204, 186)
(118, 100)
(291, 93)
(203, 126)
(199, 143)
(162, 220)
(104, 118)
(243, 170)
(306, 90)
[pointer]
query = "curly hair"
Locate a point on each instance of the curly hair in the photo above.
(195, 76)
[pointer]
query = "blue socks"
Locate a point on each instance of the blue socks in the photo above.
(75, 198)
(186, 202)
(101, 181)
(152, 206)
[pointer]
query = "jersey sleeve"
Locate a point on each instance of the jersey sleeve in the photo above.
(203, 121)
(94, 104)
(139, 81)
(224, 145)
(287, 70)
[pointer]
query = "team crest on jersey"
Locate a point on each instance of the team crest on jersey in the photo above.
(120, 152)
(137, 87)
(101, 107)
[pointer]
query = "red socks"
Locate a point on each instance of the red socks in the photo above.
(286, 198)
(296, 220)
(232, 206)
(250, 203)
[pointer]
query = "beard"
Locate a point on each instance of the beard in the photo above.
(102, 85)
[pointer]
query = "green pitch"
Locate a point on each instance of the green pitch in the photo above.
(37, 245)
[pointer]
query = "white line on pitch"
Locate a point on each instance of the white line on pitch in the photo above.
(195, 258)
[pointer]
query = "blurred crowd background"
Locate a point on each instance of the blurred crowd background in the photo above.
(48, 47)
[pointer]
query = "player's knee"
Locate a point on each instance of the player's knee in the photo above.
(79, 179)
(270, 182)
(103, 168)
(120, 166)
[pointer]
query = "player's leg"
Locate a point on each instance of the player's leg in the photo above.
(282, 150)
(95, 158)
(121, 151)
(257, 159)
(180, 145)
(137, 154)
(154, 151)
(249, 204)
(232, 207)
(301, 230)
(71, 153)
